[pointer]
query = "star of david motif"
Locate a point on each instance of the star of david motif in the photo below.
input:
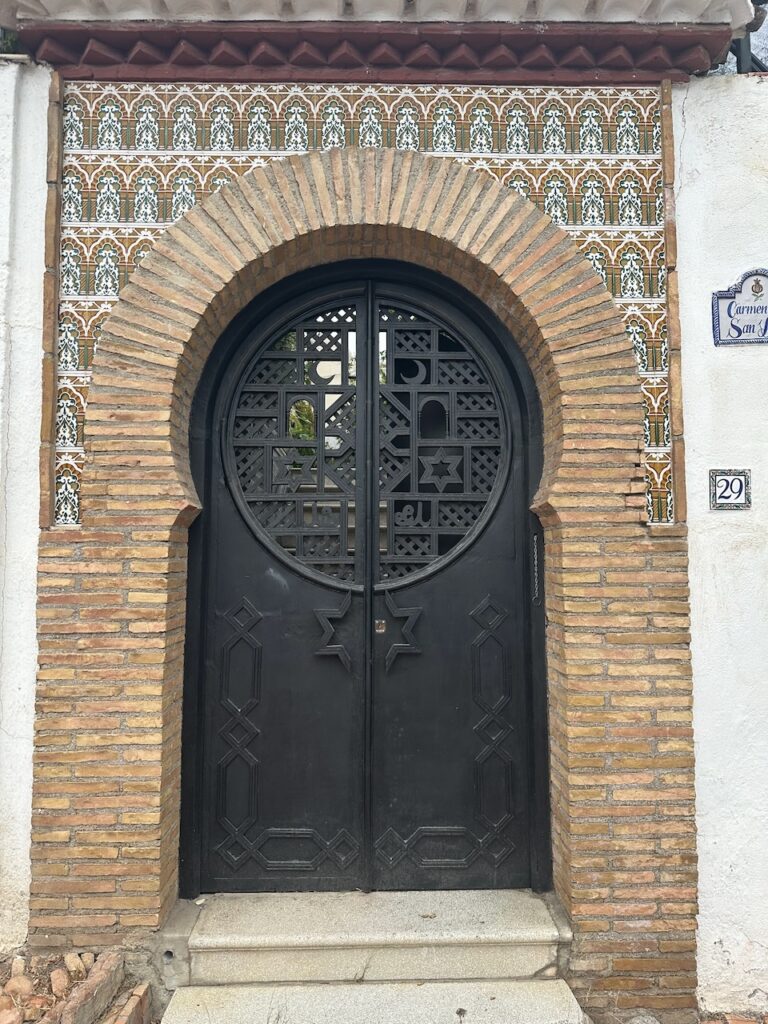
(440, 469)
(327, 617)
(411, 616)
(293, 470)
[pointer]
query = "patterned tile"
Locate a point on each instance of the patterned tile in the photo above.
(138, 156)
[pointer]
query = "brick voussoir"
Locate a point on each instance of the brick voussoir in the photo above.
(209, 233)
(455, 224)
(593, 344)
(137, 325)
(588, 309)
(223, 212)
(550, 266)
(420, 198)
(521, 254)
(128, 345)
(258, 188)
(438, 184)
(320, 165)
(254, 241)
(498, 222)
(572, 279)
(197, 268)
(167, 290)
(298, 198)
(496, 253)
(398, 191)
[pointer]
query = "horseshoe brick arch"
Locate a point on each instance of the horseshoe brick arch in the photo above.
(113, 592)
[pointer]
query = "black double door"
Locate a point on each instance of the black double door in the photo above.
(365, 667)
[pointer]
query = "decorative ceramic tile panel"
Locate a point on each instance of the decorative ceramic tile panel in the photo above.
(138, 156)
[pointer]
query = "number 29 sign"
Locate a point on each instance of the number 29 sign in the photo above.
(730, 488)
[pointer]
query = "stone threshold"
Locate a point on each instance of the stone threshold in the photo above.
(285, 938)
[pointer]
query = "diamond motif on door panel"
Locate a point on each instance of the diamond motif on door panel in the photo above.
(241, 689)
(441, 847)
(343, 849)
(390, 848)
(290, 849)
(491, 692)
(488, 614)
(237, 773)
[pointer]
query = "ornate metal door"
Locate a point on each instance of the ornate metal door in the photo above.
(365, 687)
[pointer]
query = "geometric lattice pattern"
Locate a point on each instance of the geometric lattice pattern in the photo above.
(294, 444)
(292, 441)
(139, 155)
(440, 441)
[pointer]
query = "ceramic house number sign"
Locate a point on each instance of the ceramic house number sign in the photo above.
(740, 313)
(730, 488)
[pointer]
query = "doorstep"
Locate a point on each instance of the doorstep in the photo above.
(275, 938)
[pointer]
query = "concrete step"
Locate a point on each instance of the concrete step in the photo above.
(382, 936)
(454, 1002)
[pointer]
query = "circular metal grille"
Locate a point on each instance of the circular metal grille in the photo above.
(297, 446)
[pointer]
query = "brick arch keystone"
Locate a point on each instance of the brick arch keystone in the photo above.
(113, 593)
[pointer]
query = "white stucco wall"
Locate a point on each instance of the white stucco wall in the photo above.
(721, 138)
(23, 149)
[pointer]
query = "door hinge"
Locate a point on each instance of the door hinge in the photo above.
(535, 570)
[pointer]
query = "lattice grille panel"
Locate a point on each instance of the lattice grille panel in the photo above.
(293, 449)
(292, 441)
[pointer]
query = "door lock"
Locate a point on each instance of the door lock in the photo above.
(380, 626)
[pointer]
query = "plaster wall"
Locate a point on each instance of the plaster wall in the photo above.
(736, 12)
(23, 149)
(721, 133)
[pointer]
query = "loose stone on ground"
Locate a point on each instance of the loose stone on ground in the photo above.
(35, 988)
